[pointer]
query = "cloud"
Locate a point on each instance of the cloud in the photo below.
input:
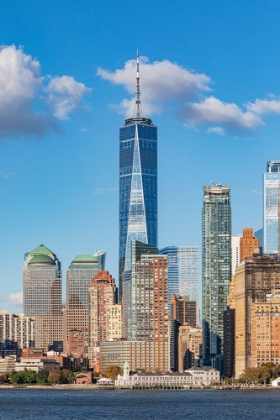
(170, 87)
(256, 192)
(103, 190)
(216, 130)
(15, 299)
(31, 104)
(264, 106)
(165, 83)
(228, 115)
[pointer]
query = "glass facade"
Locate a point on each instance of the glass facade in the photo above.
(271, 208)
(216, 268)
(137, 188)
(183, 271)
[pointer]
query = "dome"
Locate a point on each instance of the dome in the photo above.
(42, 259)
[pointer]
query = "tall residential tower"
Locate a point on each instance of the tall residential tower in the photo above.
(137, 184)
(271, 207)
(216, 269)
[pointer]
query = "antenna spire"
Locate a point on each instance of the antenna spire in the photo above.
(138, 102)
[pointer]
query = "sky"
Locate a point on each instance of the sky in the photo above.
(210, 81)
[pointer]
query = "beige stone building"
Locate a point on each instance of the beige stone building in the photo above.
(189, 344)
(256, 311)
(114, 322)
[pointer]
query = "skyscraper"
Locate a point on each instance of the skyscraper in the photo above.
(271, 207)
(216, 269)
(183, 271)
(137, 184)
(78, 279)
(42, 296)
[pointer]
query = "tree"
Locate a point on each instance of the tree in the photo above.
(54, 377)
(66, 376)
(4, 378)
(113, 371)
(16, 377)
(28, 376)
(42, 376)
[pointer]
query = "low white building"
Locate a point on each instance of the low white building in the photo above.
(192, 377)
(276, 382)
(7, 364)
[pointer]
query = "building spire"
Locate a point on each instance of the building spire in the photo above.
(138, 102)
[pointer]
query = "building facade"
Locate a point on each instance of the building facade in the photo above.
(189, 346)
(235, 252)
(271, 208)
(257, 306)
(183, 271)
(18, 328)
(183, 311)
(78, 279)
(216, 269)
(249, 244)
(42, 296)
(102, 292)
(137, 185)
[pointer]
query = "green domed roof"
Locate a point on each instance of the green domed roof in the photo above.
(42, 259)
(82, 258)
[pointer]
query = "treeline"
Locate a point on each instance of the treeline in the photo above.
(41, 377)
(263, 374)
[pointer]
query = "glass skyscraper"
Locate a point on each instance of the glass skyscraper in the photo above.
(137, 185)
(183, 271)
(216, 269)
(271, 207)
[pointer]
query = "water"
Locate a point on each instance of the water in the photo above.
(99, 404)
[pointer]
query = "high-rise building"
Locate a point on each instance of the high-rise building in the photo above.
(151, 309)
(42, 298)
(257, 305)
(137, 185)
(183, 311)
(183, 271)
(102, 293)
(189, 345)
(216, 269)
(78, 279)
(271, 208)
(249, 244)
(16, 328)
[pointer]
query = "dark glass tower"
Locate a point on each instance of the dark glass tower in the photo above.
(216, 270)
(137, 185)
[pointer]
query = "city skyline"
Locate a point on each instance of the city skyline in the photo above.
(63, 190)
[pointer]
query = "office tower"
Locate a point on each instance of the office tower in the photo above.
(229, 330)
(249, 244)
(137, 185)
(42, 296)
(257, 304)
(16, 328)
(271, 208)
(183, 311)
(216, 269)
(151, 309)
(235, 252)
(119, 352)
(183, 271)
(76, 343)
(78, 279)
(102, 292)
(259, 235)
(101, 258)
(189, 344)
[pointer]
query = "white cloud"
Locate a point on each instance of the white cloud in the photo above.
(103, 190)
(164, 83)
(65, 95)
(15, 299)
(227, 115)
(25, 96)
(264, 106)
(216, 130)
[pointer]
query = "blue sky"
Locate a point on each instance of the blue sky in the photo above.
(210, 81)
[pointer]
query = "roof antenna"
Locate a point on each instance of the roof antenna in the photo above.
(138, 102)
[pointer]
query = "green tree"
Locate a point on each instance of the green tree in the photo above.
(28, 376)
(112, 371)
(42, 376)
(54, 377)
(66, 376)
(16, 377)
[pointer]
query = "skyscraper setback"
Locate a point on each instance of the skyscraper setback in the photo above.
(137, 184)
(216, 268)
